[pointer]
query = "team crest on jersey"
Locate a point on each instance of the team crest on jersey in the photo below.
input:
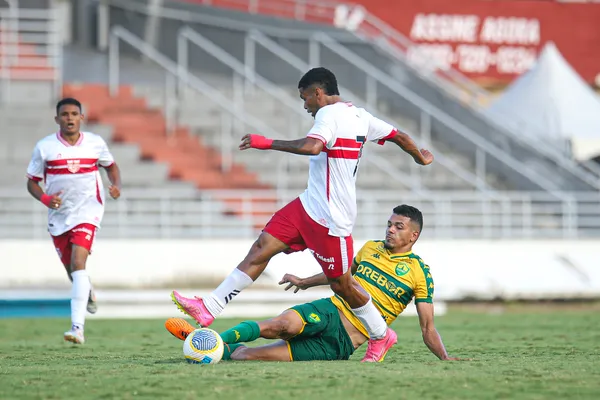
(73, 166)
(402, 268)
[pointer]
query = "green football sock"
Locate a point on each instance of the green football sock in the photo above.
(246, 331)
(228, 349)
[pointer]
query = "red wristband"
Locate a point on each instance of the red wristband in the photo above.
(260, 142)
(46, 199)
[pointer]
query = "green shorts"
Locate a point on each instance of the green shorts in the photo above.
(323, 336)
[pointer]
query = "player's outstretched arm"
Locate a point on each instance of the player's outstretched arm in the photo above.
(406, 143)
(114, 176)
(306, 146)
(303, 283)
(431, 337)
(311, 281)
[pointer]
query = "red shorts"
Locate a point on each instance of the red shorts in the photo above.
(82, 235)
(294, 227)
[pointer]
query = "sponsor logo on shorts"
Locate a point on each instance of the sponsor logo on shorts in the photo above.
(322, 258)
(84, 230)
(314, 318)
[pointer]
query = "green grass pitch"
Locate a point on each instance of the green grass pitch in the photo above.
(520, 353)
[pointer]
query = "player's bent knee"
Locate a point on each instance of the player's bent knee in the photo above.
(264, 248)
(78, 264)
(259, 247)
(276, 329)
(285, 330)
(338, 286)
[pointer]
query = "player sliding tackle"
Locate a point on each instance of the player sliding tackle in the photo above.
(326, 329)
(322, 218)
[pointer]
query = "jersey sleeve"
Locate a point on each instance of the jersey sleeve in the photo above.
(359, 256)
(379, 130)
(424, 286)
(35, 169)
(105, 158)
(323, 128)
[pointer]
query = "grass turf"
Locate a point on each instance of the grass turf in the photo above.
(517, 354)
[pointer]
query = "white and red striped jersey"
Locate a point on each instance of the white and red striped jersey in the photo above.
(330, 198)
(72, 169)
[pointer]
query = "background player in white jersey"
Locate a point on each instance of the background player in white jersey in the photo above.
(322, 218)
(68, 162)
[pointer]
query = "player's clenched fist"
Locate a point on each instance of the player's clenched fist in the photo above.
(114, 192)
(426, 157)
(293, 280)
(52, 201)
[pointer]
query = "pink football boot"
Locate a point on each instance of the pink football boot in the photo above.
(378, 348)
(195, 308)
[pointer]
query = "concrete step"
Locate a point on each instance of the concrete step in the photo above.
(287, 121)
(21, 153)
(29, 135)
(146, 173)
(31, 93)
(125, 154)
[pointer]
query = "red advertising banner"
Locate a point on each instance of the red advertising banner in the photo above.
(489, 41)
(494, 41)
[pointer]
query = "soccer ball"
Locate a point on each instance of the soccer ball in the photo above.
(203, 346)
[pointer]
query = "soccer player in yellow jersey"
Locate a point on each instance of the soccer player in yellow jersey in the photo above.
(327, 329)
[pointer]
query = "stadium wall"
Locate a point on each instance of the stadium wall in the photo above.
(479, 270)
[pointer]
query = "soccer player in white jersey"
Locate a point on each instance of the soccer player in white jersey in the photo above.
(322, 218)
(68, 162)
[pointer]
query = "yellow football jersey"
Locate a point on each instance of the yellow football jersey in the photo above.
(391, 279)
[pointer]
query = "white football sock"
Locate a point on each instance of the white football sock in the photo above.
(80, 291)
(371, 320)
(227, 290)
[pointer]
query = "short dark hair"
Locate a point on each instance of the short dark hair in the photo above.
(410, 212)
(68, 101)
(321, 77)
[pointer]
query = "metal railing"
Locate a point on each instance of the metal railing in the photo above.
(255, 37)
(30, 46)
(241, 214)
(173, 73)
(531, 134)
(533, 137)
(252, 79)
(373, 77)
(312, 11)
(355, 18)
